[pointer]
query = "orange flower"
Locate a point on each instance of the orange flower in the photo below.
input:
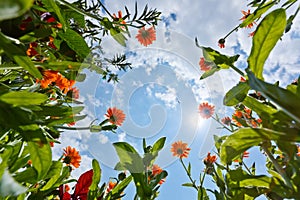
(51, 44)
(63, 83)
(146, 37)
(226, 121)
(161, 181)
(180, 149)
(115, 116)
(72, 157)
(221, 43)
(209, 160)
(51, 144)
(49, 76)
(246, 14)
(110, 186)
(206, 110)
(156, 170)
(119, 18)
(74, 93)
(203, 66)
(298, 150)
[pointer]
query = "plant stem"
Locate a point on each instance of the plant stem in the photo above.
(236, 28)
(189, 175)
(221, 124)
(73, 128)
(279, 169)
(105, 9)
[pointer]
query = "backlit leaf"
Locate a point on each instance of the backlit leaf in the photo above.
(18, 98)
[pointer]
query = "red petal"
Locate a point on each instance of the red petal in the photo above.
(83, 184)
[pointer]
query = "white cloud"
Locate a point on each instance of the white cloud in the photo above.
(169, 97)
(103, 139)
(121, 137)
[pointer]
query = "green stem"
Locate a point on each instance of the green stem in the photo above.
(237, 70)
(201, 184)
(105, 9)
(278, 168)
(236, 28)
(73, 128)
(247, 168)
(189, 175)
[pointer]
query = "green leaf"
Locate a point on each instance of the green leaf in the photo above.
(18, 55)
(92, 194)
(266, 36)
(5, 156)
(41, 157)
(188, 184)
(159, 144)
(286, 100)
(129, 158)
(189, 168)
(18, 98)
(244, 138)
(121, 186)
(202, 194)
(236, 94)
(118, 36)
(14, 8)
(75, 42)
(29, 175)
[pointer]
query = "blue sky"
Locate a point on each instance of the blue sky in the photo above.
(161, 94)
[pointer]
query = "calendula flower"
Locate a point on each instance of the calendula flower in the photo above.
(156, 170)
(203, 65)
(246, 14)
(72, 157)
(146, 36)
(110, 186)
(180, 149)
(115, 116)
(246, 154)
(226, 121)
(221, 43)
(298, 150)
(49, 76)
(209, 160)
(251, 34)
(206, 110)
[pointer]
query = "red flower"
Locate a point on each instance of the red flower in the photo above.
(206, 110)
(25, 23)
(115, 116)
(203, 65)
(110, 186)
(180, 149)
(242, 79)
(146, 37)
(31, 51)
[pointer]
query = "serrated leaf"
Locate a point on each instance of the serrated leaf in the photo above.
(75, 41)
(265, 38)
(236, 94)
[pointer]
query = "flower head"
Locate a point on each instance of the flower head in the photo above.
(203, 65)
(72, 157)
(31, 51)
(115, 116)
(298, 150)
(156, 170)
(221, 43)
(209, 160)
(180, 149)
(246, 14)
(146, 36)
(206, 110)
(110, 186)
(49, 76)
(226, 121)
